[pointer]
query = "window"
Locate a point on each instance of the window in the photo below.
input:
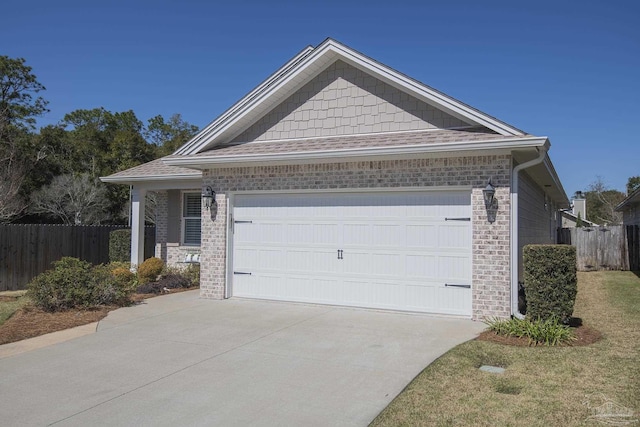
(191, 206)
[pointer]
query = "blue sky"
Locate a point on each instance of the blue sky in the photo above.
(569, 70)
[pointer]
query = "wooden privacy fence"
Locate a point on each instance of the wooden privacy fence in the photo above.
(615, 247)
(27, 250)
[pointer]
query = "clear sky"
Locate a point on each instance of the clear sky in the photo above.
(569, 70)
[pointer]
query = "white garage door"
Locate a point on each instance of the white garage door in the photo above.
(396, 250)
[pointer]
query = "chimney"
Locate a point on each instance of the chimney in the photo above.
(580, 205)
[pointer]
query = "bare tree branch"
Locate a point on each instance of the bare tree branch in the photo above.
(78, 200)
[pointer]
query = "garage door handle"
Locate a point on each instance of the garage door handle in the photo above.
(453, 285)
(241, 272)
(457, 219)
(243, 222)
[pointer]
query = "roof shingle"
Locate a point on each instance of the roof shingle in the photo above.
(395, 139)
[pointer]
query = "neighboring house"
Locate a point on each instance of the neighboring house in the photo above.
(630, 208)
(578, 207)
(339, 180)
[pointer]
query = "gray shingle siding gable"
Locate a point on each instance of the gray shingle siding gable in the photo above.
(342, 100)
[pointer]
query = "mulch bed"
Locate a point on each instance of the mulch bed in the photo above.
(29, 322)
(585, 335)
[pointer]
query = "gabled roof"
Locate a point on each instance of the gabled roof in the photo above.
(305, 66)
(632, 198)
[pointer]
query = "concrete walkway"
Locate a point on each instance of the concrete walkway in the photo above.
(180, 360)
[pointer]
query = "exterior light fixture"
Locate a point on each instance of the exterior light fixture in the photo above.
(489, 194)
(207, 197)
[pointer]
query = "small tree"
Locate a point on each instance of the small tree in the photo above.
(601, 203)
(77, 200)
(579, 222)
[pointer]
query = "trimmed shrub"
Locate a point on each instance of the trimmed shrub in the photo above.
(149, 270)
(122, 273)
(120, 245)
(73, 283)
(107, 289)
(550, 281)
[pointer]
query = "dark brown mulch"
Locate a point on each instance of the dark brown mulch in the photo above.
(585, 335)
(29, 322)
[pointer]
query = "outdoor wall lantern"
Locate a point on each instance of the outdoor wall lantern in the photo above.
(489, 194)
(207, 197)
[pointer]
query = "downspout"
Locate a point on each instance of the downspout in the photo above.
(542, 153)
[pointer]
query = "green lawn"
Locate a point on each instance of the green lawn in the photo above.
(542, 386)
(7, 308)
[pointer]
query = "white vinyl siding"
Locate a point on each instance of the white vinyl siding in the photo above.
(191, 210)
(401, 250)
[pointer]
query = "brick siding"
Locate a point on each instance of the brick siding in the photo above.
(491, 241)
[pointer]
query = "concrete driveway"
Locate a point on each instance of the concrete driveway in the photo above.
(181, 360)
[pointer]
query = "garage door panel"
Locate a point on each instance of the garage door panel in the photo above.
(357, 234)
(357, 292)
(454, 267)
(388, 265)
(326, 291)
(299, 261)
(300, 233)
(390, 295)
(454, 237)
(246, 258)
(388, 235)
(383, 250)
(422, 236)
(324, 234)
(422, 296)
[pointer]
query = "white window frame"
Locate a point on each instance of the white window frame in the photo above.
(184, 218)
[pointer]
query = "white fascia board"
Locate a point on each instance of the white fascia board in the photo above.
(131, 180)
(193, 145)
(309, 58)
(202, 162)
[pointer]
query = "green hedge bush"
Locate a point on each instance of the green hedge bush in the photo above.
(120, 245)
(73, 283)
(550, 281)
